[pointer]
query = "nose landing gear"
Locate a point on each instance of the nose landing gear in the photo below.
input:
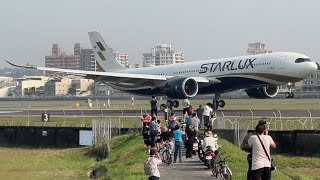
(289, 94)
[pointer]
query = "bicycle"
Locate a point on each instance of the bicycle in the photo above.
(221, 168)
(166, 155)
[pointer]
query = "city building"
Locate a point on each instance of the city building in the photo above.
(58, 87)
(123, 58)
(312, 83)
(6, 81)
(30, 85)
(162, 54)
(82, 86)
(87, 60)
(62, 60)
(69, 86)
(257, 48)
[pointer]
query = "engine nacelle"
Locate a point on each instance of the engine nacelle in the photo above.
(180, 88)
(263, 92)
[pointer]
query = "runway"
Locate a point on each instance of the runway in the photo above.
(137, 113)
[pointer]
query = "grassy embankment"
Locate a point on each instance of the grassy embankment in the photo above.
(127, 157)
(37, 163)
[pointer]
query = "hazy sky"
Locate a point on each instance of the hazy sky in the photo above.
(201, 29)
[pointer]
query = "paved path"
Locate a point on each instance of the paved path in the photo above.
(188, 169)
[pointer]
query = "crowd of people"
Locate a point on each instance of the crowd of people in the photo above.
(184, 132)
(178, 133)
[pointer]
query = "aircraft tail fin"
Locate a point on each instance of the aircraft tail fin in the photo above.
(103, 54)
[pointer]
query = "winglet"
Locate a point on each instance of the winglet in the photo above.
(31, 67)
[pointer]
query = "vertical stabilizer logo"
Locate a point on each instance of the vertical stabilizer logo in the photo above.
(101, 49)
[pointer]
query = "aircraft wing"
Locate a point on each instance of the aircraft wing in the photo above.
(118, 77)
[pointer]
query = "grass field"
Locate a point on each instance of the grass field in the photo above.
(126, 162)
(231, 104)
(27, 163)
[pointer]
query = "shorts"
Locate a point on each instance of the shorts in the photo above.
(147, 142)
(158, 141)
(185, 110)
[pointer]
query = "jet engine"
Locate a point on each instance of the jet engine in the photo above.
(180, 88)
(263, 92)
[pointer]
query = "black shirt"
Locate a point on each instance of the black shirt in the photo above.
(165, 136)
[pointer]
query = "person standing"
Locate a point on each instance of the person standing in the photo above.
(146, 133)
(177, 134)
(206, 114)
(172, 122)
(190, 110)
(186, 104)
(154, 161)
(195, 121)
(261, 143)
(191, 133)
(154, 106)
(153, 124)
(200, 114)
(211, 121)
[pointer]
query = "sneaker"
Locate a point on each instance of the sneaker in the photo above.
(174, 161)
(180, 161)
(191, 158)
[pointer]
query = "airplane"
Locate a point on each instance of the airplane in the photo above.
(260, 75)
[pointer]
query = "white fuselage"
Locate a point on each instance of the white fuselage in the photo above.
(266, 69)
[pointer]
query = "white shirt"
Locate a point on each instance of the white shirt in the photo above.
(186, 103)
(154, 163)
(207, 111)
(195, 123)
(210, 141)
(259, 157)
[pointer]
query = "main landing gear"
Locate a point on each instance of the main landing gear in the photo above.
(289, 94)
(217, 102)
(170, 104)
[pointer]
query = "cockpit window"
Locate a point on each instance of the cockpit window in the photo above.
(300, 60)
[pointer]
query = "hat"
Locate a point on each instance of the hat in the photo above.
(209, 133)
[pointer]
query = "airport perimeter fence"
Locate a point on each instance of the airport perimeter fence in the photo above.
(236, 128)
(236, 124)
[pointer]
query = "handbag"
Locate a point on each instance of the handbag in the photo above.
(273, 165)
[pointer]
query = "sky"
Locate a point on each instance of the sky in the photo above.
(201, 29)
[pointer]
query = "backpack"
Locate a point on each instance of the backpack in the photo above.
(172, 124)
(146, 132)
(149, 169)
(157, 130)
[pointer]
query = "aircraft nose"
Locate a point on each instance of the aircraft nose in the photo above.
(315, 66)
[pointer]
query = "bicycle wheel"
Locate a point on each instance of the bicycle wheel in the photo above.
(215, 170)
(168, 158)
(225, 173)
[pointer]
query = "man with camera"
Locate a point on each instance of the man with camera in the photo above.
(261, 160)
(152, 167)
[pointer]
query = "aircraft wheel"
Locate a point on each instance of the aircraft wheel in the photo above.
(292, 95)
(288, 95)
(175, 103)
(222, 103)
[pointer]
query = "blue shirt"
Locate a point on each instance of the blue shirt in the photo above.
(177, 134)
(153, 103)
(153, 125)
(188, 121)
